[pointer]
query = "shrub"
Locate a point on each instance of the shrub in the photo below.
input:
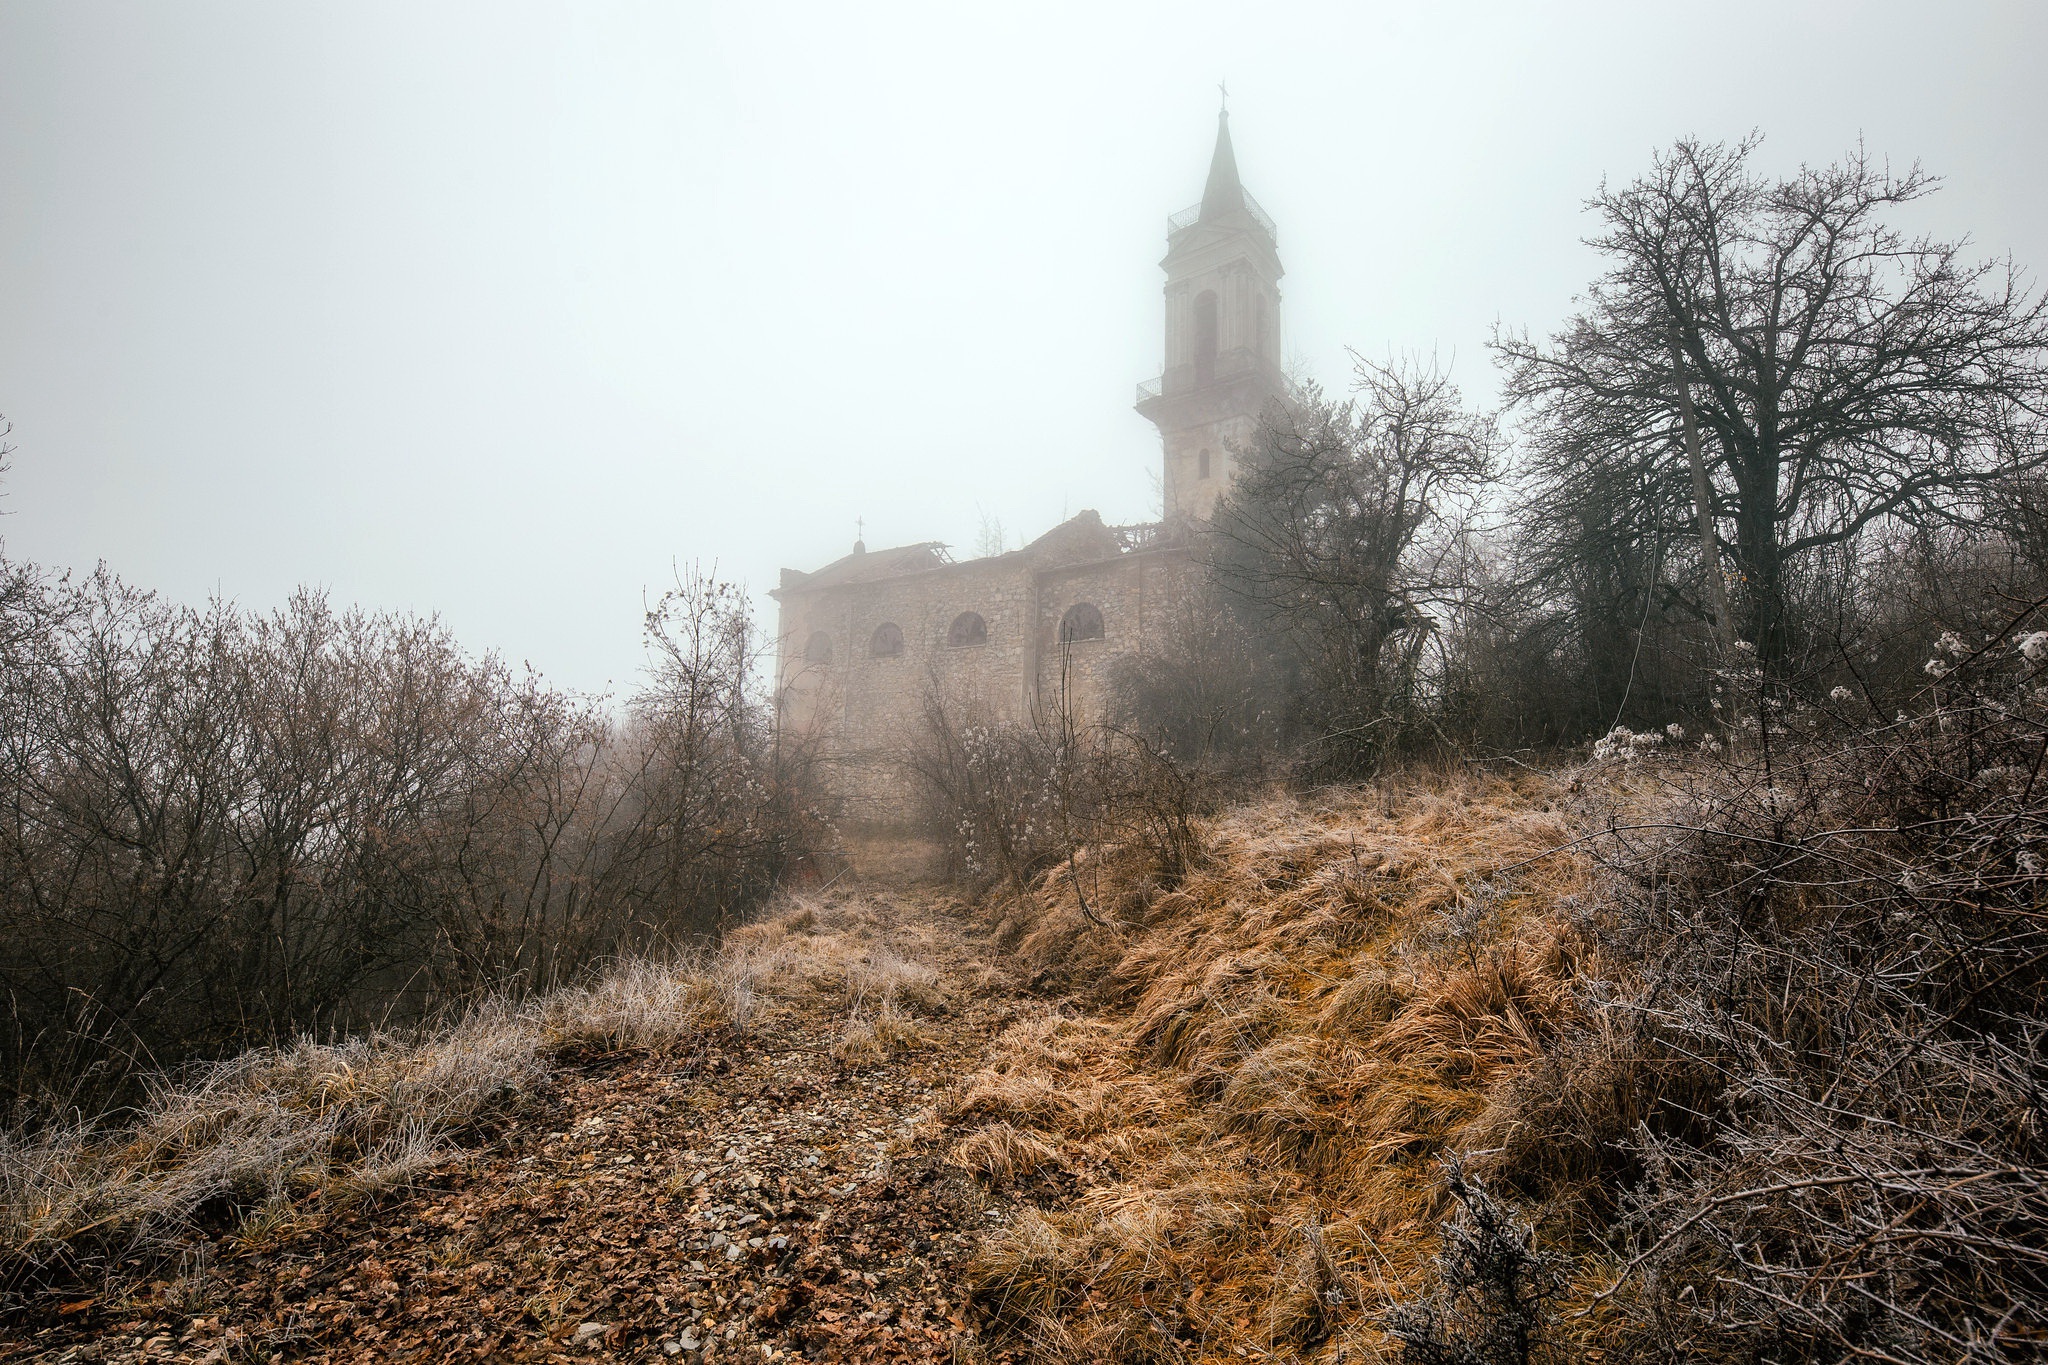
(1015, 798)
(1492, 1291)
(1843, 928)
(224, 827)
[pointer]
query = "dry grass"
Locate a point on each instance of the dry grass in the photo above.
(270, 1127)
(645, 1005)
(877, 1037)
(1342, 991)
(1001, 1153)
(877, 970)
(281, 1134)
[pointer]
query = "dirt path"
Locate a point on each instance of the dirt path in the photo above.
(776, 1190)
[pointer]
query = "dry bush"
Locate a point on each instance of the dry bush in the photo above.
(1014, 799)
(223, 828)
(1203, 694)
(992, 788)
(1492, 1290)
(1840, 937)
(1343, 988)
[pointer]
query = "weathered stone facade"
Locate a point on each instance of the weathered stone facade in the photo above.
(867, 641)
(871, 640)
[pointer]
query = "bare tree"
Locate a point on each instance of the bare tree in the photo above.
(1842, 374)
(1201, 694)
(219, 827)
(1332, 541)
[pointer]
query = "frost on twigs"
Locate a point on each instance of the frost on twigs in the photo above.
(1492, 1290)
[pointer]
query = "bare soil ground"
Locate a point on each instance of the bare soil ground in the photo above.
(761, 1191)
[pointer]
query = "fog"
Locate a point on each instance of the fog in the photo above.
(499, 310)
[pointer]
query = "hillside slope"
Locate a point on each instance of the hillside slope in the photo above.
(743, 1193)
(1276, 1054)
(1389, 1073)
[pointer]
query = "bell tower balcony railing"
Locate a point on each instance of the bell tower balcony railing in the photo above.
(1188, 217)
(1232, 364)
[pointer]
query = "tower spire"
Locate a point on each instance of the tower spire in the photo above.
(1222, 333)
(1223, 193)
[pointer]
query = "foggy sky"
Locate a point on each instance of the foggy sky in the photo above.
(496, 310)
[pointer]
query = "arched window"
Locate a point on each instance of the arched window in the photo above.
(1083, 621)
(887, 642)
(1259, 324)
(819, 650)
(1202, 464)
(1205, 336)
(967, 629)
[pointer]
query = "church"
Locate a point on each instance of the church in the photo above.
(867, 642)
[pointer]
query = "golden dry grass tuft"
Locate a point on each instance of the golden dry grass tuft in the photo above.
(879, 1036)
(1345, 988)
(273, 1126)
(1000, 1153)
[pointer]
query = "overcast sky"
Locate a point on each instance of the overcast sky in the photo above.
(496, 310)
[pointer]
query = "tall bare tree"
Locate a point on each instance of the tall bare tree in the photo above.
(1327, 541)
(1843, 374)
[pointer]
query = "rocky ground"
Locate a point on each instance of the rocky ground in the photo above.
(774, 1190)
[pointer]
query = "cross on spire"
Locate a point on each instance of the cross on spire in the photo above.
(1223, 88)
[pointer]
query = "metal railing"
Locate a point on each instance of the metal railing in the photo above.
(1230, 364)
(1188, 217)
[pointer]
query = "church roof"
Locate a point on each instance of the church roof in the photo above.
(864, 564)
(1080, 539)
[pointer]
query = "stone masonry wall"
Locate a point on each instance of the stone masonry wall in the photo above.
(872, 710)
(1136, 594)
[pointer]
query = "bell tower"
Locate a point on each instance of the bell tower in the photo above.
(1222, 335)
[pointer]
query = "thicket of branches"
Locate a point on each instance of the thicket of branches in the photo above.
(1839, 980)
(223, 827)
(1015, 798)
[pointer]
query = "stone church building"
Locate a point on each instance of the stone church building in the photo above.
(863, 642)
